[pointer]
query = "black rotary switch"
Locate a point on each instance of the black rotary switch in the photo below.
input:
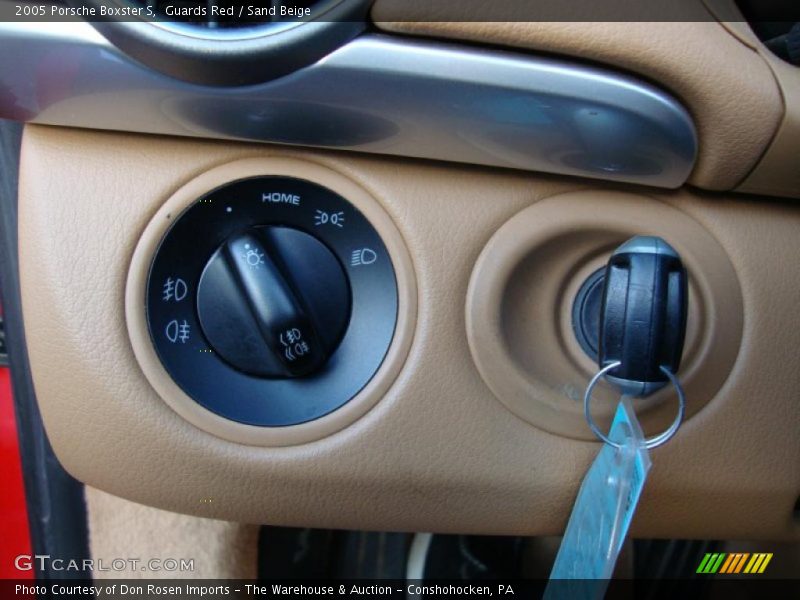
(271, 301)
(274, 302)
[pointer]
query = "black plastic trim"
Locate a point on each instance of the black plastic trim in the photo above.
(55, 501)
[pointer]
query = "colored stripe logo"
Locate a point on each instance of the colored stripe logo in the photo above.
(733, 563)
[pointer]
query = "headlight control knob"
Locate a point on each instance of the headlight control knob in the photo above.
(271, 301)
(274, 302)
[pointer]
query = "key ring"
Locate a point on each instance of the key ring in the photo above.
(649, 443)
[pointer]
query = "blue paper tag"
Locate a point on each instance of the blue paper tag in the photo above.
(602, 513)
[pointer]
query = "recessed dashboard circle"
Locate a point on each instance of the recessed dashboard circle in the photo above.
(520, 306)
(184, 233)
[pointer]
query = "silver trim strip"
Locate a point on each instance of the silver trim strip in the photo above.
(376, 94)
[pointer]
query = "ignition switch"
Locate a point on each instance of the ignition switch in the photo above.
(634, 312)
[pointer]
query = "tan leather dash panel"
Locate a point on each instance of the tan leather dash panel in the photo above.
(438, 451)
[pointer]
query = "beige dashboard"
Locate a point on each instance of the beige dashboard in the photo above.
(473, 423)
(440, 450)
